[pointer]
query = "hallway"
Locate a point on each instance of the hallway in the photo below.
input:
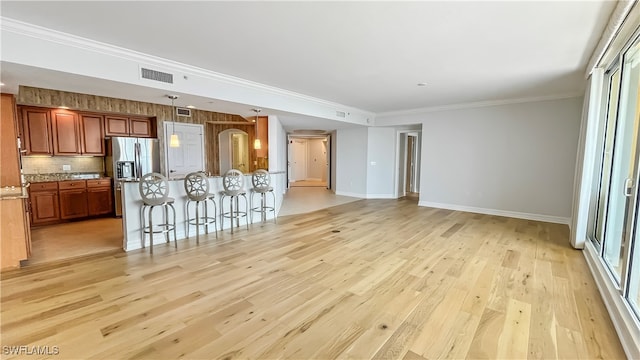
(301, 200)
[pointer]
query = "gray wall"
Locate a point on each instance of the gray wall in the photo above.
(381, 159)
(508, 158)
(351, 161)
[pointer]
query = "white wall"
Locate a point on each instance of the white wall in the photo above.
(351, 162)
(515, 160)
(418, 161)
(381, 162)
(277, 145)
(399, 167)
(278, 151)
(334, 151)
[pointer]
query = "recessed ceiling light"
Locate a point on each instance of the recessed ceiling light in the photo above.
(63, 107)
(1, 84)
(422, 84)
(191, 107)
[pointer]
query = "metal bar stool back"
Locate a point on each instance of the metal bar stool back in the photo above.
(261, 180)
(233, 184)
(154, 191)
(196, 185)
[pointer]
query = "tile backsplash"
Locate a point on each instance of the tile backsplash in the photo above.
(53, 164)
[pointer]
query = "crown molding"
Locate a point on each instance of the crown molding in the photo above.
(477, 104)
(54, 36)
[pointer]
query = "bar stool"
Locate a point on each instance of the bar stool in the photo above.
(196, 185)
(233, 183)
(154, 191)
(262, 185)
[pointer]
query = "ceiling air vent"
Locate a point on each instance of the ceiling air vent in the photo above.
(156, 75)
(183, 112)
(340, 114)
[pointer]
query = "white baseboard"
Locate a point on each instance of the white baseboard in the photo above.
(366, 196)
(513, 214)
(625, 323)
(381, 196)
(350, 194)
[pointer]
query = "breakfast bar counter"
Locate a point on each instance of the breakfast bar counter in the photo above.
(131, 202)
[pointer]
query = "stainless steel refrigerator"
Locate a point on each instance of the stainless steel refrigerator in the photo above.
(128, 159)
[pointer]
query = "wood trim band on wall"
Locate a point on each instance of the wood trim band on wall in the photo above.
(94, 103)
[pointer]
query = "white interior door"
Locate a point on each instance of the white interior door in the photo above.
(299, 164)
(189, 156)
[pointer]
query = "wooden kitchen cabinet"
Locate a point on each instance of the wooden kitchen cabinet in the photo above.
(116, 126)
(45, 208)
(129, 126)
(65, 127)
(92, 134)
(73, 199)
(36, 131)
(53, 202)
(99, 197)
(9, 157)
(140, 127)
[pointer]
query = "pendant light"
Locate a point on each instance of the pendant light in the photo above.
(174, 141)
(256, 143)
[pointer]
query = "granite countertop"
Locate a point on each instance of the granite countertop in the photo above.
(13, 192)
(35, 178)
(209, 176)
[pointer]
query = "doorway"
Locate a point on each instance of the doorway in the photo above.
(309, 163)
(408, 160)
(233, 150)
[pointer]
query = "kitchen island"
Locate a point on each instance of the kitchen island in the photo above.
(131, 202)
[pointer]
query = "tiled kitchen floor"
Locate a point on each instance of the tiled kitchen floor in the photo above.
(74, 239)
(300, 200)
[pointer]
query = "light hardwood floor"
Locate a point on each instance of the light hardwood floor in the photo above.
(367, 279)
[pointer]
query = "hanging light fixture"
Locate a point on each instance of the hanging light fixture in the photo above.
(174, 141)
(256, 143)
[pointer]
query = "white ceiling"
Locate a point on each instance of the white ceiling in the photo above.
(368, 55)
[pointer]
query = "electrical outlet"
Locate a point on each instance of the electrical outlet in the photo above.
(66, 167)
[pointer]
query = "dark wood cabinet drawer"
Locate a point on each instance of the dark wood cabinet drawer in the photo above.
(99, 183)
(72, 184)
(44, 186)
